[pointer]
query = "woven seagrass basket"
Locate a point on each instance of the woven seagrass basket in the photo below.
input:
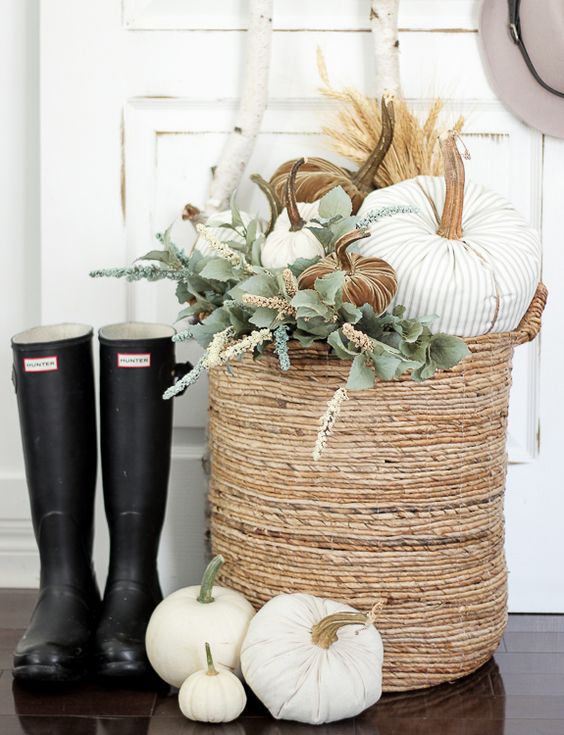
(405, 505)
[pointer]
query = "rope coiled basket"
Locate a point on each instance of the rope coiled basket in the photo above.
(405, 505)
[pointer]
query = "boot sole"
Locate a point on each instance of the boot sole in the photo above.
(41, 674)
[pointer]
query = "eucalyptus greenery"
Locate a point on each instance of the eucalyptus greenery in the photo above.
(230, 297)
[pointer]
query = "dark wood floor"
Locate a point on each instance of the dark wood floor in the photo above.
(519, 692)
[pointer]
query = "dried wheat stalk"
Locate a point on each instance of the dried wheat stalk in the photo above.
(356, 126)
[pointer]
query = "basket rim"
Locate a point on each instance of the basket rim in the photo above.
(528, 328)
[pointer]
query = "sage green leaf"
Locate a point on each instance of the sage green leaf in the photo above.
(361, 375)
(238, 246)
(251, 232)
(370, 323)
(411, 330)
(329, 286)
(343, 351)
(161, 256)
(239, 319)
(299, 265)
(306, 340)
(182, 293)
(325, 236)
(335, 202)
(317, 325)
(236, 218)
(399, 310)
(406, 365)
(308, 304)
(446, 351)
(417, 351)
(424, 372)
(383, 348)
(341, 227)
(386, 366)
(216, 322)
(218, 269)
(349, 312)
(256, 251)
(262, 284)
(263, 317)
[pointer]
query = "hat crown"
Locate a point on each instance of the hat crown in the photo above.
(542, 32)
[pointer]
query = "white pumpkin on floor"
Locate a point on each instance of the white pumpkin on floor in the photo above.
(312, 660)
(186, 619)
(210, 695)
(464, 254)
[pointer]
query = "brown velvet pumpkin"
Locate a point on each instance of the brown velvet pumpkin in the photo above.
(367, 280)
(318, 176)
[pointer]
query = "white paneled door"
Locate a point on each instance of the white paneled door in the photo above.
(137, 97)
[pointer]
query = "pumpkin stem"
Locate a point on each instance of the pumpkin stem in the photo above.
(342, 244)
(364, 177)
(296, 221)
(451, 221)
(212, 671)
(208, 579)
(324, 633)
(273, 201)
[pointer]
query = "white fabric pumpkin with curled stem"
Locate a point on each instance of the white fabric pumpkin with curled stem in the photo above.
(464, 253)
(312, 660)
(291, 239)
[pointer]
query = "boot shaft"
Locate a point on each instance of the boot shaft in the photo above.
(136, 366)
(54, 381)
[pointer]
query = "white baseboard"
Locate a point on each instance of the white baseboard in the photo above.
(19, 559)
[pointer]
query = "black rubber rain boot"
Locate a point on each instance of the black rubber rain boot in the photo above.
(136, 366)
(54, 380)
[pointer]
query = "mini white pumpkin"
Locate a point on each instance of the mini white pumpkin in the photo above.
(185, 619)
(290, 239)
(210, 695)
(477, 269)
(312, 660)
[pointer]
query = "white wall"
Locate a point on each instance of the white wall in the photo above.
(137, 97)
(19, 245)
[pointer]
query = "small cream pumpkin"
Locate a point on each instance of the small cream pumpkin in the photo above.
(291, 239)
(210, 695)
(462, 252)
(312, 660)
(185, 619)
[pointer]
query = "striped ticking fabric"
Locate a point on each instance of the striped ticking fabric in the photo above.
(482, 283)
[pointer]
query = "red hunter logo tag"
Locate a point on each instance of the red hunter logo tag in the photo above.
(41, 364)
(134, 360)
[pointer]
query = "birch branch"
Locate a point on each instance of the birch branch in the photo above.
(384, 25)
(254, 96)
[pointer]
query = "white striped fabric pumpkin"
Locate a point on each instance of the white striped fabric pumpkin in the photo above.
(479, 275)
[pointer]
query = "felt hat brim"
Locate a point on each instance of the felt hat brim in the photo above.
(510, 77)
